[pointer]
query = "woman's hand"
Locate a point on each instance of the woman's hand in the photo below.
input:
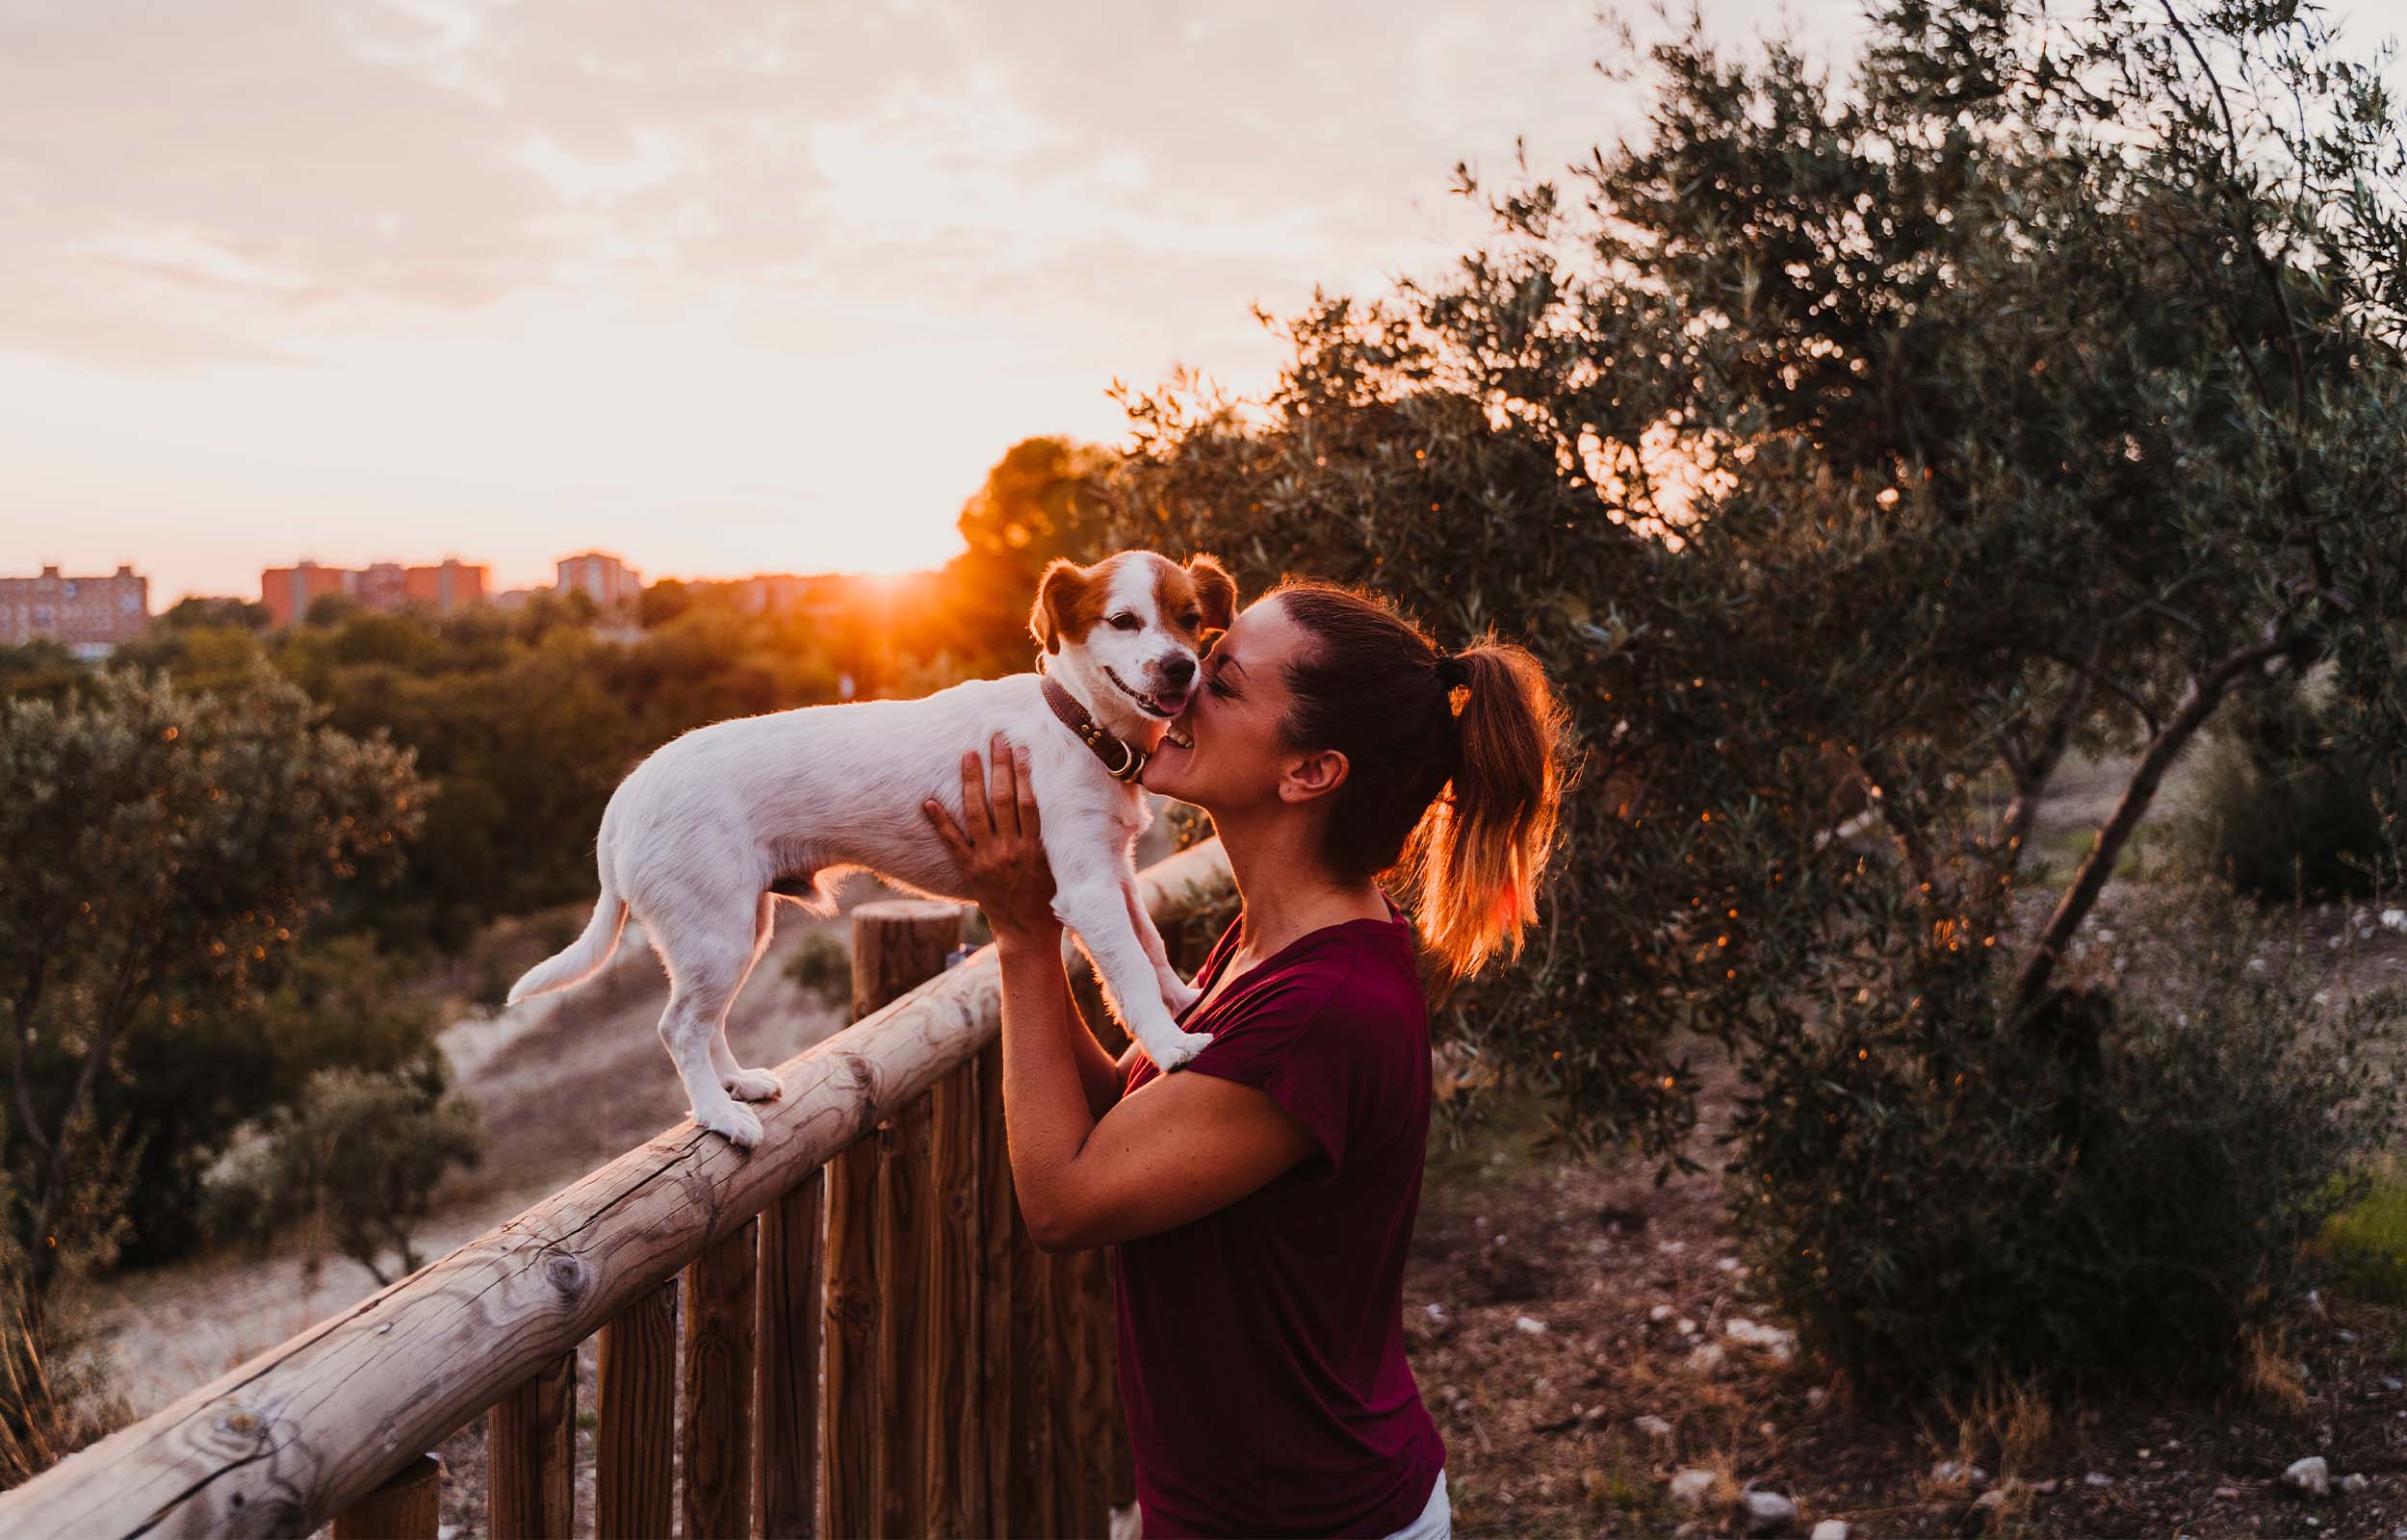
(1000, 845)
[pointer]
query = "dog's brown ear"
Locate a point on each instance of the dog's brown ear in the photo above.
(1215, 589)
(1057, 595)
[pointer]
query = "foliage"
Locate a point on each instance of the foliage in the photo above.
(356, 1162)
(1843, 445)
(191, 1078)
(2365, 1245)
(2279, 812)
(1834, 444)
(162, 851)
(55, 1396)
(821, 969)
(1942, 1190)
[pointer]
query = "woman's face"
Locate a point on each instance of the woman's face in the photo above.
(1233, 756)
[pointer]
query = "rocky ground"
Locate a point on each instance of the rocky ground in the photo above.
(1592, 1352)
(1589, 1346)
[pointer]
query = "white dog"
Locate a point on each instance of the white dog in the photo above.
(701, 838)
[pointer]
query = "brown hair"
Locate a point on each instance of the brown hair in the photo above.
(1455, 765)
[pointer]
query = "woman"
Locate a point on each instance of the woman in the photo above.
(1262, 1198)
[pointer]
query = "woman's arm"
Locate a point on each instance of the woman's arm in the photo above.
(1188, 1146)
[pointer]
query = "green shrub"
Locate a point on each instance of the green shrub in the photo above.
(2279, 812)
(2121, 1183)
(356, 1164)
(820, 966)
(2365, 1245)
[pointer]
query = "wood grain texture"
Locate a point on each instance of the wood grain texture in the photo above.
(951, 1320)
(898, 1463)
(998, 1212)
(1032, 1490)
(786, 1441)
(302, 1432)
(850, 1407)
(636, 1420)
(407, 1506)
(531, 1457)
(721, 1315)
(1094, 1399)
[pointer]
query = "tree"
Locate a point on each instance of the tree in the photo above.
(1862, 448)
(1041, 500)
(198, 610)
(162, 850)
(357, 1161)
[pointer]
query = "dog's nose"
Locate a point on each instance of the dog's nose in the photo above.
(1179, 671)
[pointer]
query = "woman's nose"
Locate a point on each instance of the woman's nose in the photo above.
(1179, 670)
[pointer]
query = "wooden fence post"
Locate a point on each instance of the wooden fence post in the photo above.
(635, 1413)
(1030, 1431)
(718, 1443)
(785, 1444)
(999, 1213)
(407, 1506)
(952, 1314)
(874, 1398)
(530, 1459)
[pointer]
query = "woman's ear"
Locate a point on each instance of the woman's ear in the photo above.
(1312, 775)
(1215, 590)
(1057, 594)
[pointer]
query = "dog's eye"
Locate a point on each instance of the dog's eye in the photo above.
(1124, 622)
(1191, 619)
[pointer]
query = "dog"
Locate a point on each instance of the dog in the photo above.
(704, 838)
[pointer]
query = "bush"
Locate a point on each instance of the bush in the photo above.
(821, 966)
(357, 1165)
(2280, 814)
(55, 1395)
(1941, 1191)
(2364, 1246)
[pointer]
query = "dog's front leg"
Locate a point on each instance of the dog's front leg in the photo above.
(1097, 907)
(1176, 992)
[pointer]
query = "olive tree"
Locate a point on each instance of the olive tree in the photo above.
(1852, 448)
(160, 852)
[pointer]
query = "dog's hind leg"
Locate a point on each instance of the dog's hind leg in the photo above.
(1176, 992)
(1095, 906)
(747, 1084)
(706, 964)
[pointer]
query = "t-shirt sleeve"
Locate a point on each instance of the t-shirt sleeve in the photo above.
(1294, 1044)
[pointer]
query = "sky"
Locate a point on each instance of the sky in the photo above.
(722, 289)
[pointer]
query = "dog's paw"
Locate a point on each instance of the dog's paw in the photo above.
(1177, 1048)
(739, 1126)
(754, 1085)
(1177, 996)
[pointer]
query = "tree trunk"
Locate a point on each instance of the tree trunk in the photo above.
(2041, 963)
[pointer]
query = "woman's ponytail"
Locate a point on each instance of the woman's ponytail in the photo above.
(1455, 764)
(1474, 859)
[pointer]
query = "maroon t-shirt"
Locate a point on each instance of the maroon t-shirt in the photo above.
(1262, 1348)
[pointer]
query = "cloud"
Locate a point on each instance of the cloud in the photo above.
(185, 185)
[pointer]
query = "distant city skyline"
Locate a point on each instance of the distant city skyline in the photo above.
(741, 290)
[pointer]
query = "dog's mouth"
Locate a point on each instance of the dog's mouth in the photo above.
(1150, 705)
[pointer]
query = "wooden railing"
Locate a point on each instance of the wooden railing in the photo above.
(845, 1332)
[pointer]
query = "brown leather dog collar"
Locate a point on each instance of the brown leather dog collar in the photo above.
(1122, 761)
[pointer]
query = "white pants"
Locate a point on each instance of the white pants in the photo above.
(1436, 1523)
(1436, 1519)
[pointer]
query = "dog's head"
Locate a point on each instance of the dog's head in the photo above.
(1127, 633)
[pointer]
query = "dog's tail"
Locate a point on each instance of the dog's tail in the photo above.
(583, 957)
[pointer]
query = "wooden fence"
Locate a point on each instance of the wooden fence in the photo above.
(845, 1332)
